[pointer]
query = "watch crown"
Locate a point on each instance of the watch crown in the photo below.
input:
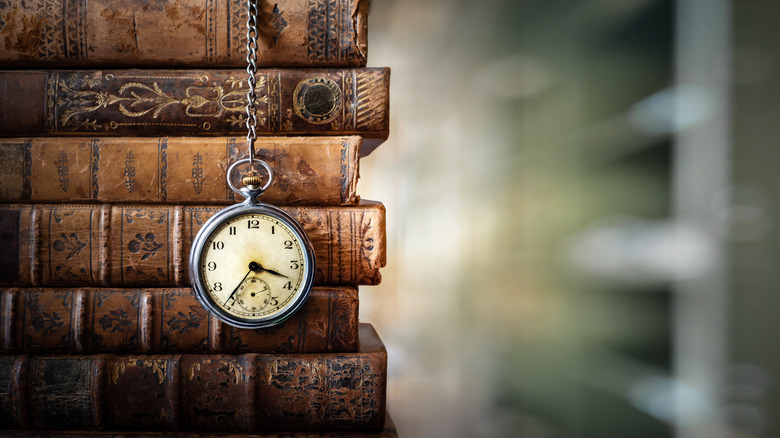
(252, 180)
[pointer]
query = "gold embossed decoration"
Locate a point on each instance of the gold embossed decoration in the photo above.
(136, 99)
(157, 103)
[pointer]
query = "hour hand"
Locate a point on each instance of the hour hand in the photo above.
(259, 268)
(271, 271)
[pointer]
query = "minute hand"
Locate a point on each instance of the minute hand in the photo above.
(239, 285)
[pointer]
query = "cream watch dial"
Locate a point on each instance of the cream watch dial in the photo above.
(253, 266)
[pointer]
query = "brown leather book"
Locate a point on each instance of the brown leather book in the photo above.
(307, 170)
(148, 245)
(195, 102)
(388, 431)
(165, 321)
(179, 33)
(197, 392)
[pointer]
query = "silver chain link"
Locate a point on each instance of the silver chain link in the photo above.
(251, 69)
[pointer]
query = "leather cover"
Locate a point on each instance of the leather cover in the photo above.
(307, 170)
(195, 102)
(146, 245)
(166, 321)
(179, 33)
(197, 392)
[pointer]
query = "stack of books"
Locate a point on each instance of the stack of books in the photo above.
(119, 120)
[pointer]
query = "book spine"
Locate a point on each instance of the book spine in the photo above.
(148, 245)
(165, 321)
(203, 392)
(194, 102)
(168, 33)
(307, 170)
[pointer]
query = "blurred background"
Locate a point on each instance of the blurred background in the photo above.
(581, 199)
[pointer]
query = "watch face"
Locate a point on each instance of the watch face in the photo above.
(253, 269)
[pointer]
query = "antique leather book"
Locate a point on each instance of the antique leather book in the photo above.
(148, 245)
(388, 431)
(103, 320)
(197, 392)
(195, 102)
(178, 33)
(307, 170)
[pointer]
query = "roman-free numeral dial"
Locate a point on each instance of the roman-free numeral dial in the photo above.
(253, 265)
(253, 268)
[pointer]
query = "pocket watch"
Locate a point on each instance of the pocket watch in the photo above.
(251, 264)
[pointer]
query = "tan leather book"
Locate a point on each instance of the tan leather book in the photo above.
(181, 33)
(307, 170)
(105, 320)
(147, 245)
(198, 392)
(195, 102)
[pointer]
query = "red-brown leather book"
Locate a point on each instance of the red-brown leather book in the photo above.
(148, 245)
(307, 170)
(195, 102)
(179, 33)
(104, 320)
(197, 392)
(388, 431)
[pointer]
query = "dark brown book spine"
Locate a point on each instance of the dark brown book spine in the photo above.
(203, 392)
(388, 431)
(195, 102)
(148, 245)
(179, 33)
(165, 321)
(307, 170)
